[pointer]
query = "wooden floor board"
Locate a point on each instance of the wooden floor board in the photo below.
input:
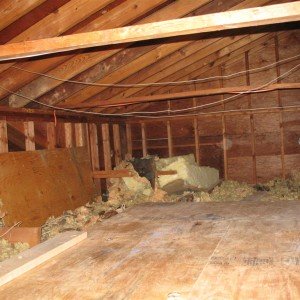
(245, 250)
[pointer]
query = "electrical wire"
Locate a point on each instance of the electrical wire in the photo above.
(215, 102)
(142, 113)
(159, 83)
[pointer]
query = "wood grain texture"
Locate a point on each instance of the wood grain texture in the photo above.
(38, 184)
(30, 259)
(272, 14)
(224, 251)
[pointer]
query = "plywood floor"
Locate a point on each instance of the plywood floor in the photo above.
(246, 250)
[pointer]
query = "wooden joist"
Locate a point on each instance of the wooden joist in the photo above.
(125, 173)
(250, 17)
(233, 112)
(43, 115)
(185, 95)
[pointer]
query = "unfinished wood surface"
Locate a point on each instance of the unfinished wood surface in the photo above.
(31, 258)
(224, 251)
(144, 139)
(112, 174)
(170, 139)
(68, 135)
(29, 136)
(30, 235)
(79, 135)
(117, 143)
(51, 135)
(3, 136)
(129, 140)
(186, 95)
(37, 184)
(272, 14)
(106, 146)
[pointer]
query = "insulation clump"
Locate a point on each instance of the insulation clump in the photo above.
(229, 190)
(8, 249)
(283, 189)
(129, 190)
(78, 219)
(189, 176)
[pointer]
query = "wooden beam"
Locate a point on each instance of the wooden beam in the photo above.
(170, 139)
(144, 139)
(79, 135)
(233, 112)
(126, 173)
(51, 135)
(117, 144)
(252, 124)
(68, 132)
(272, 14)
(106, 146)
(3, 137)
(30, 259)
(129, 140)
(282, 150)
(112, 174)
(29, 136)
(185, 95)
(43, 115)
(13, 10)
(94, 151)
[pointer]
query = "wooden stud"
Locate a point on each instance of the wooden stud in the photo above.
(251, 118)
(170, 139)
(51, 135)
(117, 144)
(144, 139)
(196, 133)
(68, 135)
(94, 151)
(257, 16)
(282, 151)
(224, 137)
(106, 146)
(3, 137)
(79, 135)
(29, 136)
(129, 140)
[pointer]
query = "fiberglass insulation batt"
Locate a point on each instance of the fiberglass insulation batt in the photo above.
(189, 174)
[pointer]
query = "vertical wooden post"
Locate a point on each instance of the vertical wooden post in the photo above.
(51, 135)
(68, 135)
(79, 135)
(196, 133)
(254, 173)
(29, 136)
(94, 151)
(3, 137)
(170, 139)
(106, 146)
(144, 139)
(224, 133)
(282, 151)
(117, 143)
(129, 140)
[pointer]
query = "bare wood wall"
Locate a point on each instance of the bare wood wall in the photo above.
(106, 142)
(246, 147)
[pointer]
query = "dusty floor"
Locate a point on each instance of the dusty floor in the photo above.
(244, 250)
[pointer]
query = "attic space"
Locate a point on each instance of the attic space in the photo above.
(150, 149)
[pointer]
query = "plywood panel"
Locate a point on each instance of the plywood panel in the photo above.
(37, 184)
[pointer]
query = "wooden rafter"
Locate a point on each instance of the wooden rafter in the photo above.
(272, 14)
(189, 94)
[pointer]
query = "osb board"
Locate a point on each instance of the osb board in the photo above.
(37, 184)
(242, 250)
